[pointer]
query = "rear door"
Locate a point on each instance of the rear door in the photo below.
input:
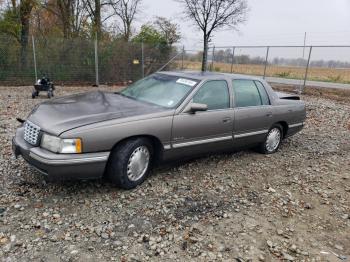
(208, 130)
(253, 112)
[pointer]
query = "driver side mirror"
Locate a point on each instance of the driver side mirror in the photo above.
(194, 107)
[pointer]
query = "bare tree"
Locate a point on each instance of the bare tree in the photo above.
(99, 12)
(168, 29)
(23, 10)
(126, 10)
(79, 16)
(72, 15)
(94, 8)
(212, 15)
(66, 15)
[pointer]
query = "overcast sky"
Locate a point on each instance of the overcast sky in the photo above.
(269, 22)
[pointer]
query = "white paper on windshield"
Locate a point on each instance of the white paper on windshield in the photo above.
(186, 82)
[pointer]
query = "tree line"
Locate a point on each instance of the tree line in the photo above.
(108, 20)
(111, 19)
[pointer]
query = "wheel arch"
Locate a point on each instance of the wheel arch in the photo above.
(284, 127)
(156, 143)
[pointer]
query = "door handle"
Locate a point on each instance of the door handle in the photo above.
(269, 114)
(226, 119)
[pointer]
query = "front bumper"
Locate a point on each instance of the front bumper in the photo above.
(60, 166)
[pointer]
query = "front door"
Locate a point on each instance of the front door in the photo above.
(253, 112)
(207, 130)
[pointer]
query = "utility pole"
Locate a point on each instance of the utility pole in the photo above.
(307, 70)
(233, 58)
(266, 60)
(212, 59)
(182, 59)
(304, 45)
(34, 57)
(97, 81)
(142, 60)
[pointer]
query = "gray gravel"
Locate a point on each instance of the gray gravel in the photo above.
(293, 205)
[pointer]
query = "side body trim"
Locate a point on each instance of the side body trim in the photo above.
(251, 134)
(295, 125)
(203, 141)
(167, 147)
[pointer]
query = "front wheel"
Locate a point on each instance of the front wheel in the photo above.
(130, 163)
(272, 141)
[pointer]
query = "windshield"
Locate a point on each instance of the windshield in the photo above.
(163, 90)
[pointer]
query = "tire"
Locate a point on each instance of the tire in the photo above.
(123, 167)
(272, 140)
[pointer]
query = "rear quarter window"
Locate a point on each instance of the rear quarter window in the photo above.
(263, 94)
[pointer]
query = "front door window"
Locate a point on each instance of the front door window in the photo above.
(214, 94)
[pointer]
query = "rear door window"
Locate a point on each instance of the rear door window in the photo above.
(246, 93)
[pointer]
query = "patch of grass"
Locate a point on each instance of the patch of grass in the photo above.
(217, 69)
(283, 74)
(335, 79)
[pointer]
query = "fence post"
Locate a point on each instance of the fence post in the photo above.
(266, 60)
(212, 59)
(183, 54)
(233, 57)
(34, 57)
(96, 62)
(307, 70)
(142, 61)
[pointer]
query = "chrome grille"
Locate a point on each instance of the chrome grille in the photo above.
(31, 133)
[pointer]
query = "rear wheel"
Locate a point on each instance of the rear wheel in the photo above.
(130, 163)
(272, 141)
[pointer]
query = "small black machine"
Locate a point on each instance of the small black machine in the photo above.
(43, 85)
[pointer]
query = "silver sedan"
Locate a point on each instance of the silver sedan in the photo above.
(164, 116)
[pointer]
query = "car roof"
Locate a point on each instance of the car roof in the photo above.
(198, 75)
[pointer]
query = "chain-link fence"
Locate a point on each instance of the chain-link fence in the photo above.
(88, 61)
(79, 61)
(300, 65)
(16, 64)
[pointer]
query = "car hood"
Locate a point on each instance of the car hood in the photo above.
(62, 114)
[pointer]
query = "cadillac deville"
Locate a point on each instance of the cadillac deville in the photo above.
(164, 116)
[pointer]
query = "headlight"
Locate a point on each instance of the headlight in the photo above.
(59, 145)
(51, 143)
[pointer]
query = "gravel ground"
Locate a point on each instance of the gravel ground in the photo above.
(292, 205)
